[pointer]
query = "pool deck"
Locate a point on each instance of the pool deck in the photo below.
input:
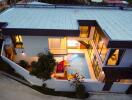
(85, 51)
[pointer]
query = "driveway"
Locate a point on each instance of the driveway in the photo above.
(13, 90)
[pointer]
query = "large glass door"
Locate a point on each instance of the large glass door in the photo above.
(57, 45)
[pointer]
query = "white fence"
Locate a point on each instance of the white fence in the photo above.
(63, 85)
(120, 87)
(93, 86)
(90, 86)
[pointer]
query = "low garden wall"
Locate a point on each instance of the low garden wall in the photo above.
(90, 85)
(23, 72)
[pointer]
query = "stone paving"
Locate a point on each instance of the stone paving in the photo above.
(13, 90)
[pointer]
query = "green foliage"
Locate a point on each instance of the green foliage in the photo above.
(23, 63)
(129, 1)
(6, 67)
(33, 64)
(44, 67)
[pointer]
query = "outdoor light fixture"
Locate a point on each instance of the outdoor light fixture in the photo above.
(23, 53)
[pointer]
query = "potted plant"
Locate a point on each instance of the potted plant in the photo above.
(79, 87)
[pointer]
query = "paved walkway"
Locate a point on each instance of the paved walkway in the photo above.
(13, 90)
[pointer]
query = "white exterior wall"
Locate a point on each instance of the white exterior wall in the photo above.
(63, 85)
(35, 44)
(94, 86)
(90, 85)
(126, 61)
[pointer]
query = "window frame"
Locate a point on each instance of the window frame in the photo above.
(124, 50)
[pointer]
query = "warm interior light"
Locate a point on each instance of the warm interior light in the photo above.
(73, 43)
(101, 41)
(18, 38)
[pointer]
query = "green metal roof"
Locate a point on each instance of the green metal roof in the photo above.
(116, 23)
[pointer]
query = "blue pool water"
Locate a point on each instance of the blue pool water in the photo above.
(78, 64)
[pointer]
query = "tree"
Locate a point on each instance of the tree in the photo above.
(44, 66)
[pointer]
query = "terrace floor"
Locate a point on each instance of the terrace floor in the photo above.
(87, 70)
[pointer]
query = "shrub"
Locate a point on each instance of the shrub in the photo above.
(44, 66)
(80, 91)
(23, 63)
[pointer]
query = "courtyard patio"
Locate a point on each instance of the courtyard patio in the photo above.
(73, 60)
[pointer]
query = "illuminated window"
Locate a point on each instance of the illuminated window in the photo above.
(103, 52)
(97, 69)
(99, 39)
(73, 43)
(54, 43)
(18, 41)
(96, 37)
(115, 56)
(84, 31)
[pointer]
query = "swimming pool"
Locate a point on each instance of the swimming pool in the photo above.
(78, 64)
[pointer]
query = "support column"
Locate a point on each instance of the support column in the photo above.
(107, 86)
